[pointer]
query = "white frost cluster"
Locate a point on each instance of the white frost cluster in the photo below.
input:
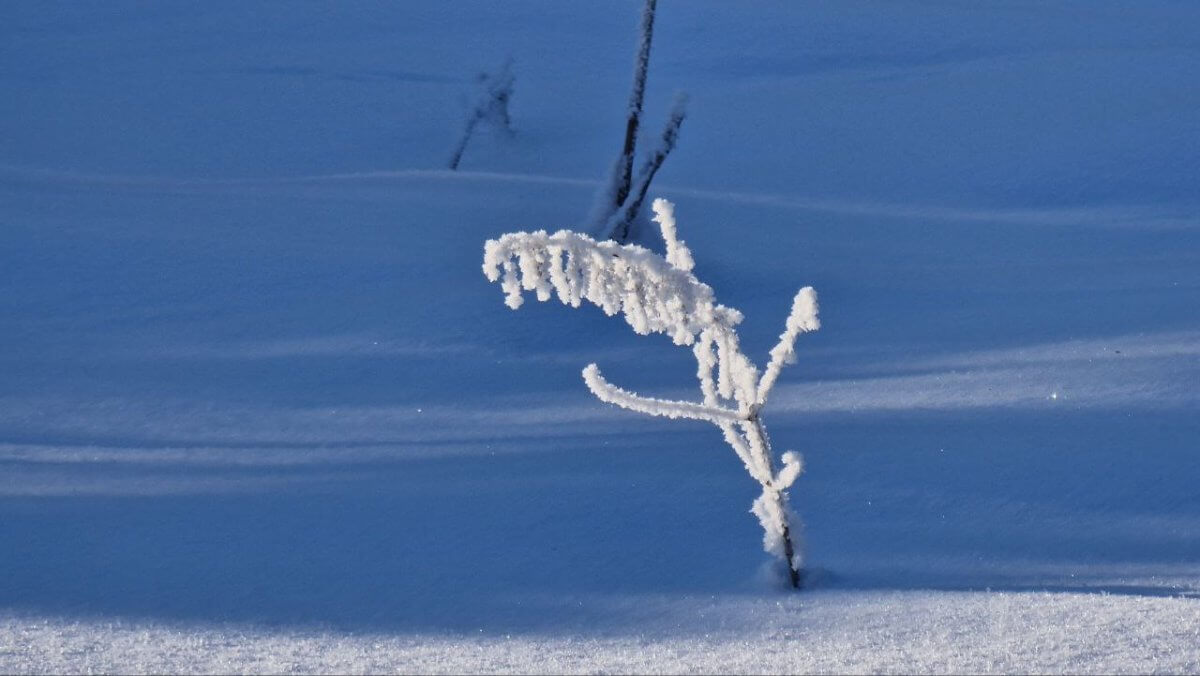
(661, 295)
(653, 294)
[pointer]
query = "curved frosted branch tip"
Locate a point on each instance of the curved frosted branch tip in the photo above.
(678, 254)
(666, 408)
(793, 467)
(802, 319)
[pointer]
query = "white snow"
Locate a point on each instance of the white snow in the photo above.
(259, 411)
(826, 632)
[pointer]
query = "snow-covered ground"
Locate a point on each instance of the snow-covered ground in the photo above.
(827, 631)
(261, 411)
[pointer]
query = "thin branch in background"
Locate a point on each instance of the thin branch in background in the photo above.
(634, 113)
(621, 197)
(622, 220)
(491, 106)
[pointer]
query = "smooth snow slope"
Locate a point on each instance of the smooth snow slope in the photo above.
(260, 410)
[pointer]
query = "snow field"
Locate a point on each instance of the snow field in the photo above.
(260, 412)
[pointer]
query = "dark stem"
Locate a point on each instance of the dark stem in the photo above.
(492, 106)
(462, 142)
(640, 70)
(629, 210)
(795, 575)
(788, 552)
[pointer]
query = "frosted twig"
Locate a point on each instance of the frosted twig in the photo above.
(611, 394)
(803, 318)
(678, 253)
(662, 295)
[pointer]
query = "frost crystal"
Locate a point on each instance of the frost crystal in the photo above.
(661, 295)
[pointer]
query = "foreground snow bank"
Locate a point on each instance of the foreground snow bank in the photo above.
(823, 631)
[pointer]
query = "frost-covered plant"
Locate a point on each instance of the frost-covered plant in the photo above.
(658, 294)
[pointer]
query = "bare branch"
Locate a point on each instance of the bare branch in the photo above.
(618, 226)
(491, 106)
(641, 69)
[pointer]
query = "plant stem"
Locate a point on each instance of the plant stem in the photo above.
(789, 549)
(634, 112)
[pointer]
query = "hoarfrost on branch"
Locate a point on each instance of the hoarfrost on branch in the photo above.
(657, 294)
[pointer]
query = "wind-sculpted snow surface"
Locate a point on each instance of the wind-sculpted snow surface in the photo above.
(248, 424)
(661, 295)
